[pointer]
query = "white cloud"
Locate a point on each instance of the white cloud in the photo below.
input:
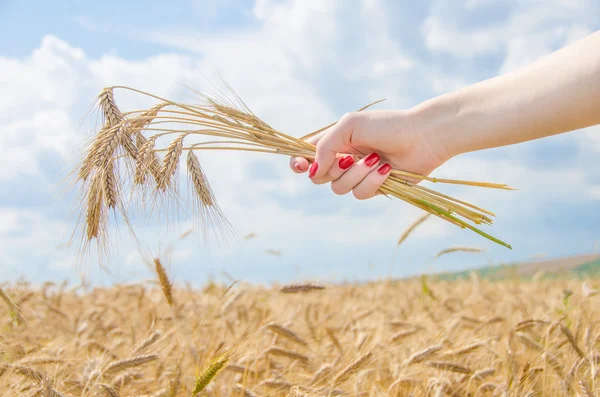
(529, 31)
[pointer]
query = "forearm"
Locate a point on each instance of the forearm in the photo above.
(556, 94)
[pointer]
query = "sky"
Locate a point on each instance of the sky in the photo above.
(299, 65)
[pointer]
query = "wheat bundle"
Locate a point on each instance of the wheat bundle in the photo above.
(130, 139)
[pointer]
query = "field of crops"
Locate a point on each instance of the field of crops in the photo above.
(402, 338)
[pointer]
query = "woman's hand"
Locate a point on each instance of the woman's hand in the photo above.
(383, 140)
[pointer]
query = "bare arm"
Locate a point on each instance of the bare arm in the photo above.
(556, 94)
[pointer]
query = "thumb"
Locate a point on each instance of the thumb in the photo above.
(334, 140)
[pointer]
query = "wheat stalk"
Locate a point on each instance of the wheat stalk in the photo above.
(210, 373)
(233, 127)
(170, 162)
(567, 332)
(279, 351)
(145, 343)
(423, 354)
(459, 249)
(199, 181)
(449, 366)
(353, 368)
(165, 283)
(286, 333)
(295, 288)
(13, 307)
(121, 365)
(411, 228)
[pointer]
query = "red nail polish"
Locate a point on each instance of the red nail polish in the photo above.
(372, 159)
(313, 169)
(346, 162)
(384, 169)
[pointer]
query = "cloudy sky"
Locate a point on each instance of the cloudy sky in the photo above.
(299, 64)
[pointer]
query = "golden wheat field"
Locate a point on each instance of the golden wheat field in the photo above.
(396, 338)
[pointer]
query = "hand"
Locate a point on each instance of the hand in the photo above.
(382, 140)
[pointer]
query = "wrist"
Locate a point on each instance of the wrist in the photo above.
(436, 120)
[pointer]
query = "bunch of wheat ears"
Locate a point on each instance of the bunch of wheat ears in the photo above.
(123, 155)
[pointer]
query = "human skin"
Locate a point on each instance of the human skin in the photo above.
(556, 94)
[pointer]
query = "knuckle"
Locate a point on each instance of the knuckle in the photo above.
(350, 118)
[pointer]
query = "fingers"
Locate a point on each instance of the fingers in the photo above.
(342, 164)
(363, 179)
(370, 185)
(299, 164)
(335, 140)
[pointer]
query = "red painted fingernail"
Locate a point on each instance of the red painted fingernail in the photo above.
(313, 169)
(346, 162)
(384, 169)
(372, 159)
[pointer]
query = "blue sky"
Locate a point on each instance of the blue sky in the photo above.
(299, 65)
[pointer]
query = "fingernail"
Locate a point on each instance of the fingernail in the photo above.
(372, 159)
(297, 166)
(384, 169)
(346, 162)
(313, 169)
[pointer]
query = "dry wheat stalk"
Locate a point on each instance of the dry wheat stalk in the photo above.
(295, 288)
(109, 185)
(585, 389)
(352, 368)
(279, 351)
(567, 332)
(170, 162)
(121, 365)
(240, 369)
(331, 334)
(323, 371)
(147, 161)
(482, 373)
(144, 344)
(27, 372)
(199, 181)
(95, 210)
(277, 384)
(411, 228)
(398, 336)
(449, 366)
(40, 360)
(467, 349)
(459, 249)
(109, 107)
(15, 310)
(286, 333)
(101, 348)
(109, 390)
(244, 391)
(233, 127)
(165, 284)
(423, 354)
